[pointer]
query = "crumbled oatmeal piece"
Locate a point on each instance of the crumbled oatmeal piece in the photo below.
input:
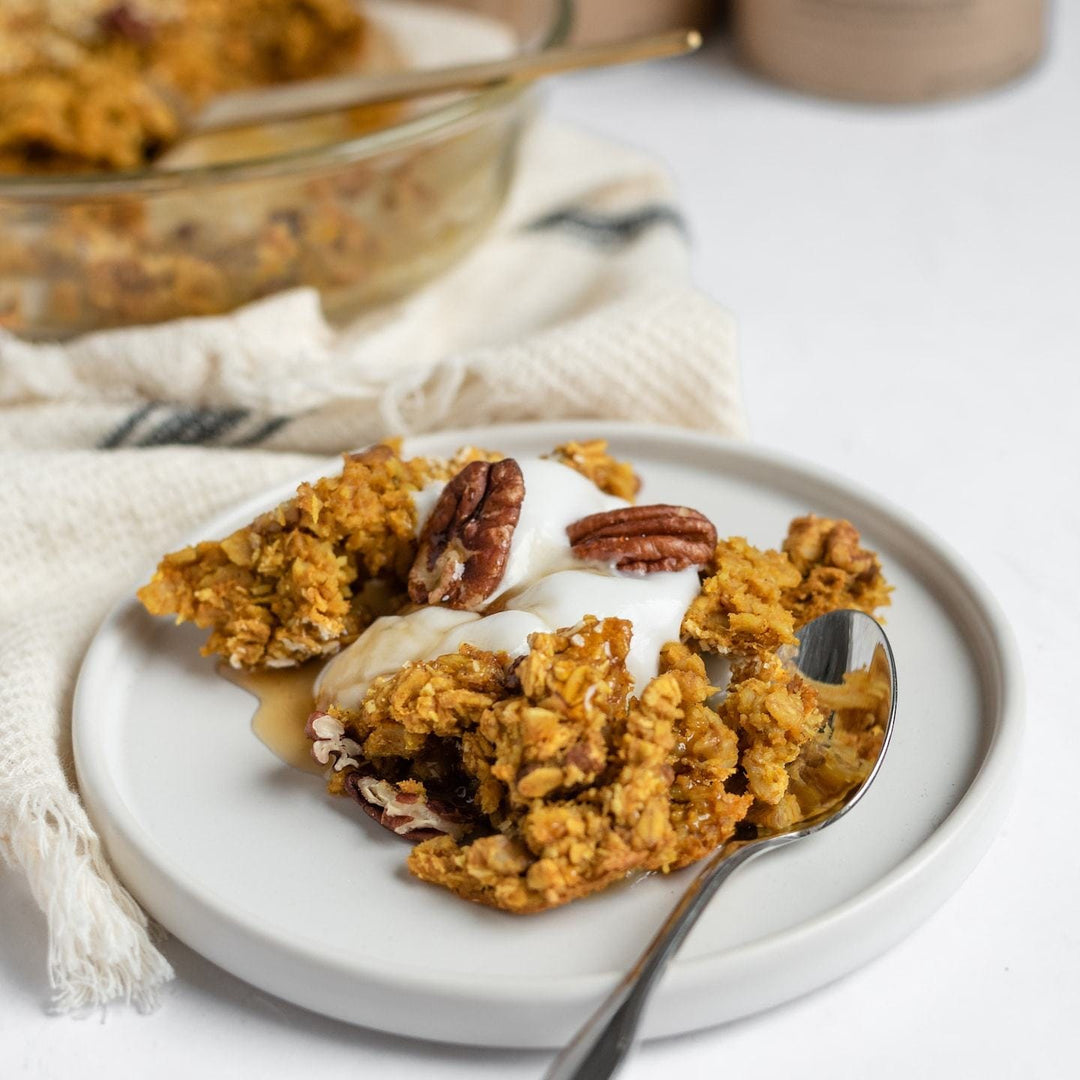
(774, 711)
(98, 113)
(552, 739)
(488, 871)
(221, 45)
(660, 803)
(583, 779)
(591, 459)
(447, 468)
(703, 812)
(577, 784)
(860, 704)
(680, 776)
(415, 726)
(444, 697)
(841, 755)
(291, 585)
(740, 608)
(835, 570)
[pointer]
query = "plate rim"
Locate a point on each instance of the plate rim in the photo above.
(987, 794)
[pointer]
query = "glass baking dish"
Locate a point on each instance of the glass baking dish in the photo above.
(363, 218)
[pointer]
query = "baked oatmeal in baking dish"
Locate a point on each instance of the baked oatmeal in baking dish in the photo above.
(522, 662)
(107, 219)
(99, 84)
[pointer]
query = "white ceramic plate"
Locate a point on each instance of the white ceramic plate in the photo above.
(250, 863)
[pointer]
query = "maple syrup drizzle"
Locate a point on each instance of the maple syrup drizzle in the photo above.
(285, 699)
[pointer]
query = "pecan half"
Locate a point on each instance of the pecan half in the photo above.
(406, 813)
(645, 539)
(466, 541)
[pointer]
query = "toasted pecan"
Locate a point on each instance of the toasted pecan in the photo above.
(645, 539)
(466, 541)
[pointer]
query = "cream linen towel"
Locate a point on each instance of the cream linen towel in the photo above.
(115, 445)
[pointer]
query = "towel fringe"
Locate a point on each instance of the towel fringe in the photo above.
(100, 942)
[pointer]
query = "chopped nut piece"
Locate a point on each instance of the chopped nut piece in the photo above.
(329, 743)
(406, 808)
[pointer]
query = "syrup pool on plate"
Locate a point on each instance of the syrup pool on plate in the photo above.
(284, 700)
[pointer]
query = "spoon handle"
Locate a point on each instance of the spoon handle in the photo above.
(292, 100)
(603, 1042)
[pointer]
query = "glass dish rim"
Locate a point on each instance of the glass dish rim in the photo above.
(370, 144)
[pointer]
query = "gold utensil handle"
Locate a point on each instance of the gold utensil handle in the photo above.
(315, 96)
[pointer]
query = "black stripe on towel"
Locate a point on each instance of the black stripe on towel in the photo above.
(263, 431)
(117, 436)
(610, 230)
(183, 425)
(193, 426)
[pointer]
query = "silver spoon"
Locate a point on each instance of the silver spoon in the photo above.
(830, 647)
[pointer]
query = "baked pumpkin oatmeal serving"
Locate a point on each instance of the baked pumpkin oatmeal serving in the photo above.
(543, 685)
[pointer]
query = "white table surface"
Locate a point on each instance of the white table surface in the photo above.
(927, 261)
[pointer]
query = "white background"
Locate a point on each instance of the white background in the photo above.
(913, 275)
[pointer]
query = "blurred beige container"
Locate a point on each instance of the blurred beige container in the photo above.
(890, 50)
(609, 20)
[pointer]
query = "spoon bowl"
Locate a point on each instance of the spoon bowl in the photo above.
(846, 656)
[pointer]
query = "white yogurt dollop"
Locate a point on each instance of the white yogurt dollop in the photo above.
(383, 647)
(544, 588)
(555, 497)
